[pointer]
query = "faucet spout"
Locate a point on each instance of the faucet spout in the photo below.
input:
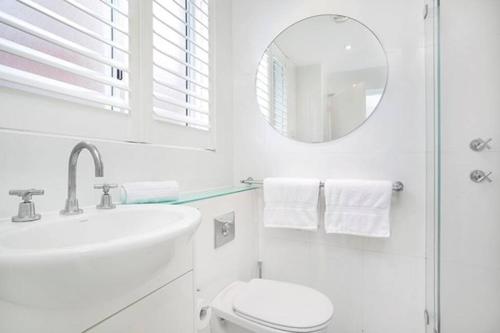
(71, 207)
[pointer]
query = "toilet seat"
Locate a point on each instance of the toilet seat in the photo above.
(285, 306)
(273, 306)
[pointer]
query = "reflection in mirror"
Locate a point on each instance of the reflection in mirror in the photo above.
(321, 78)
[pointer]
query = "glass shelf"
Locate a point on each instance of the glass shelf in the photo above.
(202, 195)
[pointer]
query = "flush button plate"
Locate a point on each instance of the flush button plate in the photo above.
(224, 228)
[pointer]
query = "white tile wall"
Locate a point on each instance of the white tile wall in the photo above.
(28, 161)
(470, 230)
(469, 297)
(376, 285)
(236, 260)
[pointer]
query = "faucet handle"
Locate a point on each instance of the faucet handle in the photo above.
(480, 144)
(26, 194)
(26, 212)
(106, 200)
(105, 187)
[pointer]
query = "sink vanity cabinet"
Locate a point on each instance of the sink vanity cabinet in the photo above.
(168, 309)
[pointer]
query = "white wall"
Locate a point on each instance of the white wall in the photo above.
(39, 161)
(376, 285)
(237, 260)
(470, 228)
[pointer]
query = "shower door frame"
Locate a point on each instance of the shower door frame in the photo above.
(433, 164)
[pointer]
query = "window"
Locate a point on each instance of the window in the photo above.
(181, 62)
(144, 65)
(66, 47)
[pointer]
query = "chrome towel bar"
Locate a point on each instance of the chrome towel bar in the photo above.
(396, 186)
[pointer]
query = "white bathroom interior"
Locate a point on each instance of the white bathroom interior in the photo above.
(235, 166)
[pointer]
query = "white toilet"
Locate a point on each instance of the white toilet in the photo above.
(267, 306)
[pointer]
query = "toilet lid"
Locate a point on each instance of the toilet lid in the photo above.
(283, 305)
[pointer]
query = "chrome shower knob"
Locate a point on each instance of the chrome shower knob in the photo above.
(479, 176)
(480, 144)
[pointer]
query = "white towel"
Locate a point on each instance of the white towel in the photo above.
(358, 207)
(149, 192)
(291, 203)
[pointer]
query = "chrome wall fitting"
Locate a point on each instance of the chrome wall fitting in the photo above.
(480, 144)
(479, 176)
(397, 186)
(224, 229)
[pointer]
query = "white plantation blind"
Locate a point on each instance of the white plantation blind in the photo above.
(280, 97)
(271, 89)
(181, 62)
(263, 84)
(74, 48)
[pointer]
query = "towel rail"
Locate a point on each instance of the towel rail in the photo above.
(397, 186)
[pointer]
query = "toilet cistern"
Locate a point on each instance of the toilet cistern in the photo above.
(71, 207)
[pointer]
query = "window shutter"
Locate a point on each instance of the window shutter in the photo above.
(181, 62)
(71, 48)
(271, 89)
(263, 87)
(279, 97)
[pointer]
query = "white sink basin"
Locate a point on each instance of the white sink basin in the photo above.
(79, 260)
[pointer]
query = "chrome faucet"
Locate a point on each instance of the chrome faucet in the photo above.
(71, 207)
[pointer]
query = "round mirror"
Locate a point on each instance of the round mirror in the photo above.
(321, 78)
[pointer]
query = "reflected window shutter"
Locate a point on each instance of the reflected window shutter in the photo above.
(71, 48)
(263, 87)
(181, 62)
(280, 111)
(271, 89)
